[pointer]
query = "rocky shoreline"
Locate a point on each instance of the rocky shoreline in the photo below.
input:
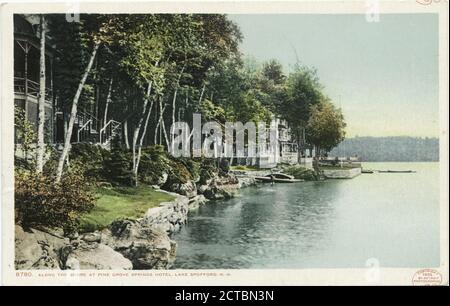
(139, 244)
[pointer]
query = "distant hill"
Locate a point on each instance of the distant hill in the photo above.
(399, 148)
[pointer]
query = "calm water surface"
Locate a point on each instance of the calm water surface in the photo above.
(337, 223)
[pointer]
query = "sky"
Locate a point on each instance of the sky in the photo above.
(384, 75)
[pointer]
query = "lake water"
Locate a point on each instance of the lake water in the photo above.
(393, 218)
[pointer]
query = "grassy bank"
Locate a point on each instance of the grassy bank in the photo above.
(244, 168)
(121, 202)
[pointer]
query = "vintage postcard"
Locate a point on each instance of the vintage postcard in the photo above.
(224, 143)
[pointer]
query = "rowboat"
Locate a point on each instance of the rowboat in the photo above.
(278, 178)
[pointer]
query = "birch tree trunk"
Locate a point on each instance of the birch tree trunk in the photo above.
(73, 114)
(125, 134)
(41, 102)
(137, 130)
(108, 101)
(201, 94)
(174, 100)
(141, 141)
(159, 123)
(166, 138)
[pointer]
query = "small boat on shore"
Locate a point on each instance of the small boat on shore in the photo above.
(396, 171)
(366, 171)
(278, 178)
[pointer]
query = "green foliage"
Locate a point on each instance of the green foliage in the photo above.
(120, 203)
(154, 164)
(92, 157)
(300, 172)
(192, 166)
(25, 134)
(244, 168)
(212, 112)
(118, 167)
(208, 170)
(178, 172)
(41, 202)
(326, 126)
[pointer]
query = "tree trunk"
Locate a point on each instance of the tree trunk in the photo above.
(162, 126)
(175, 94)
(144, 131)
(201, 94)
(108, 101)
(125, 134)
(166, 138)
(73, 114)
(299, 150)
(160, 122)
(41, 102)
(155, 134)
(137, 131)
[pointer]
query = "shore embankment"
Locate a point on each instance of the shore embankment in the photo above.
(143, 243)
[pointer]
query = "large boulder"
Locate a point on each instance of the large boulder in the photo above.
(35, 249)
(186, 189)
(220, 187)
(94, 256)
(146, 247)
(38, 249)
(246, 181)
(197, 201)
(162, 179)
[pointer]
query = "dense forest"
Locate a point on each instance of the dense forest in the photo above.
(147, 72)
(401, 148)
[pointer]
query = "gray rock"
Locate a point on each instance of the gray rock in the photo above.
(197, 201)
(187, 189)
(220, 187)
(162, 179)
(246, 181)
(146, 247)
(96, 256)
(92, 237)
(166, 216)
(36, 249)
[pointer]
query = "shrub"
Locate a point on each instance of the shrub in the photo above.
(300, 172)
(117, 167)
(178, 173)
(41, 202)
(93, 158)
(154, 163)
(23, 164)
(208, 170)
(192, 166)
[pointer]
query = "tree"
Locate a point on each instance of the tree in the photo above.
(95, 29)
(326, 126)
(273, 71)
(41, 102)
(303, 90)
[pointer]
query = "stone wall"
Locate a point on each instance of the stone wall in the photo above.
(144, 243)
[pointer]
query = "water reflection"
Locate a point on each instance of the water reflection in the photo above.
(259, 228)
(331, 224)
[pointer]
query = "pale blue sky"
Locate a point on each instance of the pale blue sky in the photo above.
(384, 75)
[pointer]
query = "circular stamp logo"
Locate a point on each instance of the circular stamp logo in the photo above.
(427, 277)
